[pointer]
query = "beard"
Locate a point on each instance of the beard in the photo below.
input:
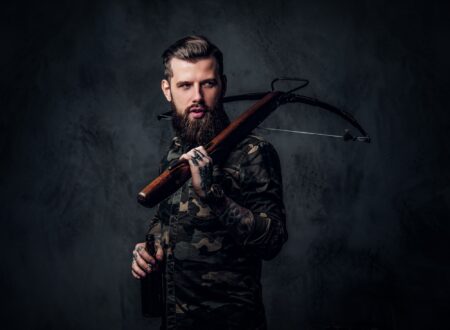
(198, 132)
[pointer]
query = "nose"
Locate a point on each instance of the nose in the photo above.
(198, 94)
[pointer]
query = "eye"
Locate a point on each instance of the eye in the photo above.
(185, 86)
(210, 83)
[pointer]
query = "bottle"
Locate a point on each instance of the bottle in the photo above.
(151, 285)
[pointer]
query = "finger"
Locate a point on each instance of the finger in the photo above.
(141, 249)
(198, 155)
(191, 152)
(204, 163)
(142, 264)
(185, 157)
(136, 268)
(205, 154)
(203, 151)
(145, 255)
(199, 152)
(159, 251)
(194, 162)
(139, 246)
(202, 159)
(135, 275)
(190, 155)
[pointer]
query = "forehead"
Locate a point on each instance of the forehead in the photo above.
(198, 69)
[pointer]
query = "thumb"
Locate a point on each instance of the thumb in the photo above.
(159, 251)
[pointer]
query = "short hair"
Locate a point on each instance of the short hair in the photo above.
(191, 48)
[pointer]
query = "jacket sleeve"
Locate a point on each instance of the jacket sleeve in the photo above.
(154, 227)
(259, 221)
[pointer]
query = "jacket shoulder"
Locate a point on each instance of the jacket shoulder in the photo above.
(251, 148)
(255, 144)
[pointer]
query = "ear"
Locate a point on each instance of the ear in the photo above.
(165, 86)
(224, 85)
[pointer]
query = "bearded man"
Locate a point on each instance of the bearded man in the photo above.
(214, 232)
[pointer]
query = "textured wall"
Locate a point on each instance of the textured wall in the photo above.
(368, 224)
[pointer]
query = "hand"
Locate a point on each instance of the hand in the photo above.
(201, 170)
(143, 263)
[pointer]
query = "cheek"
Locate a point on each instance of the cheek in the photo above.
(179, 108)
(212, 97)
(180, 101)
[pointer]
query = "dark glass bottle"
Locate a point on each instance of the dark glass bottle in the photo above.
(151, 285)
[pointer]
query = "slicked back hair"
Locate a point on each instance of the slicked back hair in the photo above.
(191, 48)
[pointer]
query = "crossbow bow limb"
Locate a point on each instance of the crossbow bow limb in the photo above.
(290, 97)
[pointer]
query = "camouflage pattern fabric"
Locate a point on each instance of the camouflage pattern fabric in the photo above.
(213, 253)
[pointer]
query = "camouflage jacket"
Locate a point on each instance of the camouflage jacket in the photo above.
(213, 259)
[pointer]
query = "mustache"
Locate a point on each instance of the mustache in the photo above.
(193, 107)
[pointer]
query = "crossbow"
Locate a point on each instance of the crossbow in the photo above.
(218, 148)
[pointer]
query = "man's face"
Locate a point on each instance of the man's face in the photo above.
(195, 87)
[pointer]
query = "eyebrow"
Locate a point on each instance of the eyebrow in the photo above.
(181, 83)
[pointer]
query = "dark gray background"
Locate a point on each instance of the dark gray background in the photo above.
(368, 224)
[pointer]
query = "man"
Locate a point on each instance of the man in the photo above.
(215, 230)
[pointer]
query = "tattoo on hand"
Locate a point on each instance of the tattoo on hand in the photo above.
(198, 153)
